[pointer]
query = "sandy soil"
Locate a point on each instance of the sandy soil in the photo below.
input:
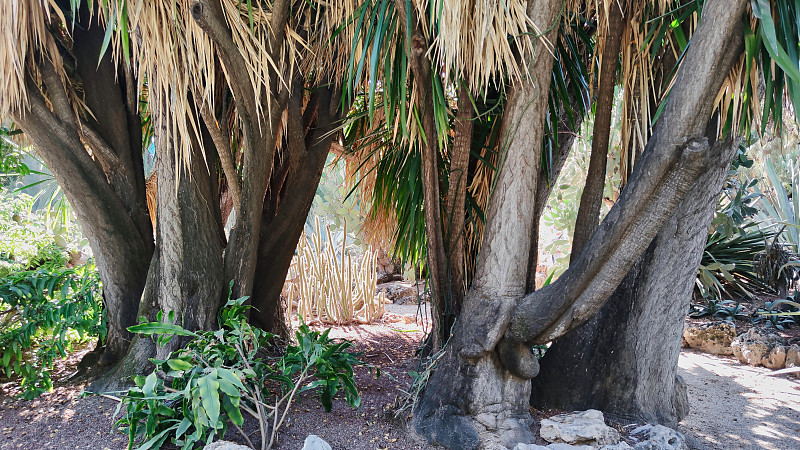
(734, 406)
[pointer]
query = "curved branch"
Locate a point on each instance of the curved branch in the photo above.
(670, 166)
(222, 143)
(204, 14)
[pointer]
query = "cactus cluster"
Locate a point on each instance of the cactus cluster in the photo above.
(326, 283)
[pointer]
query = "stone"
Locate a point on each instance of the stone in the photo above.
(755, 347)
(660, 437)
(714, 338)
(225, 445)
(776, 359)
(402, 292)
(622, 445)
(314, 442)
(582, 428)
(793, 356)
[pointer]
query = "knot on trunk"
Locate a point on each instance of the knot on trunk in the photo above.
(518, 359)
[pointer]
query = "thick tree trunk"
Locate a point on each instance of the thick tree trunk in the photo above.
(624, 360)
(186, 272)
(106, 189)
(474, 397)
(592, 195)
(471, 399)
(285, 213)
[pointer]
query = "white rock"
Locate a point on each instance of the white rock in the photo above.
(225, 445)
(314, 442)
(622, 445)
(587, 428)
(660, 437)
(756, 346)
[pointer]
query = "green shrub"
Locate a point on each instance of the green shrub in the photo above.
(192, 396)
(41, 313)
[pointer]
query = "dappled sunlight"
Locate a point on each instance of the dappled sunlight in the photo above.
(739, 406)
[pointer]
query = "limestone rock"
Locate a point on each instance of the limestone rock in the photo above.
(714, 338)
(622, 445)
(583, 428)
(776, 359)
(793, 357)
(660, 437)
(755, 347)
(402, 292)
(225, 445)
(314, 442)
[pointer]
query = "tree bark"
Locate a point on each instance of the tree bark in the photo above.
(624, 361)
(284, 219)
(455, 212)
(545, 182)
(471, 399)
(186, 272)
(437, 258)
(106, 189)
(474, 397)
(592, 195)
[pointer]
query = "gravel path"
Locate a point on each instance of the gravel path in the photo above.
(734, 406)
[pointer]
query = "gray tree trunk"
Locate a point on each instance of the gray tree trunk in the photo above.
(186, 272)
(624, 360)
(477, 395)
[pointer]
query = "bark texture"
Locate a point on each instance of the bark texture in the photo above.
(186, 274)
(625, 359)
(106, 189)
(473, 398)
(592, 195)
(289, 201)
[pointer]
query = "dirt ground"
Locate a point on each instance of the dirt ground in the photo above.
(733, 406)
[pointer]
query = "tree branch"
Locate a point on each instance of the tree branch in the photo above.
(203, 12)
(222, 142)
(57, 93)
(666, 173)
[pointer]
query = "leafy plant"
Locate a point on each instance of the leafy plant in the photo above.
(41, 313)
(779, 314)
(719, 309)
(727, 263)
(192, 396)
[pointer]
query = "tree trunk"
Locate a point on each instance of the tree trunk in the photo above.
(476, 397)
(106, 189)
(545, 183)
(455, 213)
(285, 214)
(592, 196)
(437, 258)
(186, 272)
(471, 399)
(624, 360)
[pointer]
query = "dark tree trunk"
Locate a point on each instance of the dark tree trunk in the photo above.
(289, 201)
(624, 360)
(436, 255)
(106, 189)
(186, 272)
(592, 196)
